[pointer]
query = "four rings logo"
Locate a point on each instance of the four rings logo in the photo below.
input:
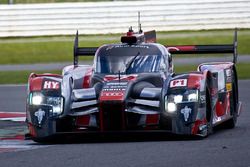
(112, 93)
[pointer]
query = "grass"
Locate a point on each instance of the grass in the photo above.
(21, 77)
(60, 48)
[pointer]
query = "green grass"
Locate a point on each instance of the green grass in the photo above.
(21, 77)
(60, 48)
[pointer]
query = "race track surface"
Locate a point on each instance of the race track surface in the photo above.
(226, 147)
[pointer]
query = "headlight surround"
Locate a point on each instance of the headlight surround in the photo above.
(193, 96)
(56, 103)
(182, 96)
(37, 98)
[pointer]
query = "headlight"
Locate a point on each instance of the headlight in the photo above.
(186, 96)
(171, 107)
(193, 97)
(57, 103)
(180, 96)
(37, 98)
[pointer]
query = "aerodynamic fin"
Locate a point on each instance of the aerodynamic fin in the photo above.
(82, 51)
(207, 49)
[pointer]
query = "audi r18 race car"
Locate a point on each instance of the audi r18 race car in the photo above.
(132, 87)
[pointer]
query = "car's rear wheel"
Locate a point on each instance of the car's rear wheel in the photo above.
(44, 140)
(209, 112)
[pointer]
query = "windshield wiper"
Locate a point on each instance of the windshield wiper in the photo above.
(128, 65)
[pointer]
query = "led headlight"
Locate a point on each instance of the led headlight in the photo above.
(178, 98)
(171, 107)
(193, 96)
(36, 98)
(181, 96)
(56, 103)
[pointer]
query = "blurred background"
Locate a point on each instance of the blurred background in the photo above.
(37, 35)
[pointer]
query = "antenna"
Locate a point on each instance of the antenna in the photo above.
(76, 50)
(139, 23)
(235, 43)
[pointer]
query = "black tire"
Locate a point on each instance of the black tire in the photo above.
(209, 112)
(233, 105)
(44, 140)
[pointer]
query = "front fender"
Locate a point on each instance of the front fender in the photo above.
(187, 113)
(40, 115)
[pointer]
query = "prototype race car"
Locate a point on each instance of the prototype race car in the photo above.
(132, 87)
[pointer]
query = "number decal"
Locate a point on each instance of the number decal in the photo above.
(51, 85)
(178, 83)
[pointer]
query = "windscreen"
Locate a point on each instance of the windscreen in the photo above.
(127, 60)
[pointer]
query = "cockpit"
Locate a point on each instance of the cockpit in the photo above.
(129, 59)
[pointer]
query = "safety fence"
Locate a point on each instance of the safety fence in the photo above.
(117, 16)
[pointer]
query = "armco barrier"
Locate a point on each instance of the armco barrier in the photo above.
(117, 16)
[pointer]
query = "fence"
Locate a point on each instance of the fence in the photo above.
(117, 16)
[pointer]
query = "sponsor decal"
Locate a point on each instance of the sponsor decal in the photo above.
(203, 99)
(110, 47)
(112, 95)
(115, 86)
(186, 112)
(39, 114)
(228, 72)
(122, 78)
(229, 75)
(229, 86)
(51, 85)
(178, 83)
(131, 46)
(120, 93)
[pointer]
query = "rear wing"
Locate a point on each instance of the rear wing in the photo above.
(82, 51)
(207, 49)
(177, 49)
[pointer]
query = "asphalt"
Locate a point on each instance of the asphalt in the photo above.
(177, 61)
(226, 147)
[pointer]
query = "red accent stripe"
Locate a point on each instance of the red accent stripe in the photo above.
(86, 78)
(32, 130)
(45, 75)
(112, 95)
(36, 84)
(11, 115)
(83, 120)
(194, 80)
(182, 48)
(152, 119)
(196, 126)
(17, 137)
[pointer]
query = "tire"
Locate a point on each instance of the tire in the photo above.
(233, 105)
(43, 140)
(209, 112)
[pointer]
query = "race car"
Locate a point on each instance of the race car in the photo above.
(132, 87)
